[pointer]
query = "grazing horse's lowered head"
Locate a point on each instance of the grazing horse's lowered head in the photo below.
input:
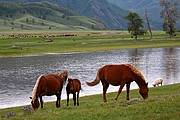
(144, 91)
(48, 85)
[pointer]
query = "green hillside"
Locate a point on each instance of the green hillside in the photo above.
(42, 15)
(109, 14)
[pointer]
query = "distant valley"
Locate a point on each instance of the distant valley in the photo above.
(84, 14)
(43, 16)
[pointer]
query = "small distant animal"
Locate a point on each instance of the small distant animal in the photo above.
(157, 82)
(73, 87)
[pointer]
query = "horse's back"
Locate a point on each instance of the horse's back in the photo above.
(53, 79)
(115, 74)
(116, 70)
(53, 83)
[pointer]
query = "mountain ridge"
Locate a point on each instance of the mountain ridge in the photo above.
(101, 10)
(153, 10)
(43, 14)
(111, 12)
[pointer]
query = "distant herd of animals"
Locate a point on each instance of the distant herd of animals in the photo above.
(120, 74)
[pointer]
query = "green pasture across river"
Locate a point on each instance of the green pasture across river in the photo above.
(15, 43)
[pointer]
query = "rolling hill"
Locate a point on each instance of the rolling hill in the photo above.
(109, 14)
(43, 15)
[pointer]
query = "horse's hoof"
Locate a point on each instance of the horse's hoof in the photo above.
(115, 100)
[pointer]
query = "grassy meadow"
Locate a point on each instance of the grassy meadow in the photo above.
(163, 104)
(13, 43)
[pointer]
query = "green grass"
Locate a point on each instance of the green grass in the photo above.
(163, 104)
(82, 41)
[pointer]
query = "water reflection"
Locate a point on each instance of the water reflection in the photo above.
(19, 74)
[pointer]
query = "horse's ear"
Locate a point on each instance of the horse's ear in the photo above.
(30, 97)
(147, 83)
(69, 79)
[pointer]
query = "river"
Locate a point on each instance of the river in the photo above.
(19, 74)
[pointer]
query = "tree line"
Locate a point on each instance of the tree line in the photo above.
(169, 14)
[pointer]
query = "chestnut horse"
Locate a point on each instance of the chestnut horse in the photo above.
(48, 85)
(73, 86)
(120, 75)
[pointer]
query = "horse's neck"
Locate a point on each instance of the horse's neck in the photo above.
(140, 82)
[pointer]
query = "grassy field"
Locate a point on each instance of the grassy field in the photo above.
(16, 42)
(163, 104)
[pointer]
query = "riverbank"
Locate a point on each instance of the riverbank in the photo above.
(19, 74)
(21, 43)
(163, 103)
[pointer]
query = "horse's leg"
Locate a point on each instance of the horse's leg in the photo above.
(119, 91)
(105, 87)
(59, 104)
(78, 98)
(74, 98)
(57, 95)
(58, 100)
(127, 90)
(41, 101)
(67, 99)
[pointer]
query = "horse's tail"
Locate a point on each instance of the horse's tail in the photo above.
(95, 82)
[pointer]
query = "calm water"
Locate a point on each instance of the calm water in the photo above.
(19, 74)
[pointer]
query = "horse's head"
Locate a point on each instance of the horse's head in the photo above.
(64, 76)
(34, 103)
(144, 91)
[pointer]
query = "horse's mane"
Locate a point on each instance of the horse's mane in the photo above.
(62, 75)
(35, 88)
(136, 71)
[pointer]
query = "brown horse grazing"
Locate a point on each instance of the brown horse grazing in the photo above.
(73, 86)
(48, 85)
(120, 75)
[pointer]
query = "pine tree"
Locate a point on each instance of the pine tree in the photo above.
(135, 24)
